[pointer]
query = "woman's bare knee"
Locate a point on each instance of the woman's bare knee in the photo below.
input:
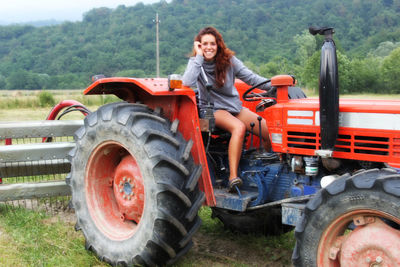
(239, 130)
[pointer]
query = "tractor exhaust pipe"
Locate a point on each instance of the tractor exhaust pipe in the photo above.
(328, 89)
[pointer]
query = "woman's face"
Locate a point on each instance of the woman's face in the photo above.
(209, 46)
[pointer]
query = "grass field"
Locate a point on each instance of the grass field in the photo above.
(30, 99)
(29, 238)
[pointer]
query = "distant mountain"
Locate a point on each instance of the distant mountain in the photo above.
(42, 23)
(37, 23)
(121, 41)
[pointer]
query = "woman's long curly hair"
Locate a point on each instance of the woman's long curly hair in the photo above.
(223, 56)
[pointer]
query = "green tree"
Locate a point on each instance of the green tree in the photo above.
(384, 49)
(278, 65)
(391, 71)
(17, 80)
(310, 73)
(365, 75)
(306, 46)
(344, 73)
(131, 73)
(112, 40)
(2, 82)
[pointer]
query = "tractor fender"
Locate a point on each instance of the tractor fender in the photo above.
(178, 105)
(129, 89)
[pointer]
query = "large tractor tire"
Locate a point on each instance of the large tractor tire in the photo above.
(266, 221)
(352, 222)
(134, 186)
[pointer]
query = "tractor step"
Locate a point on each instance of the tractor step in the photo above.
(233, 201)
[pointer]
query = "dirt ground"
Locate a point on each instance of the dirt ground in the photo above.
(216, 250)
(211, 251)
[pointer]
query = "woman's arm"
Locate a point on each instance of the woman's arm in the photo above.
(246, 75)
(192, 71)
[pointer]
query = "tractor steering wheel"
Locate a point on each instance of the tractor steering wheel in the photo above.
(251, 96)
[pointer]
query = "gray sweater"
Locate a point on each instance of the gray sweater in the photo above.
(226, 97)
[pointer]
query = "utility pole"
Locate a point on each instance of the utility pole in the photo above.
(157, 46)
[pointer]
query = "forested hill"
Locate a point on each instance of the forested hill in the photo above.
(121, 41)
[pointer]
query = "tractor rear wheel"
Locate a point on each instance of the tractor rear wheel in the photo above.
(134, 186)
(266, 221)
(354, 221)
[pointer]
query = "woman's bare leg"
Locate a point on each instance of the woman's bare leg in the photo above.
(228, 122)
(247, 117)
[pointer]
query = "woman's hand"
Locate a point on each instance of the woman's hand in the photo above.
(197, 48)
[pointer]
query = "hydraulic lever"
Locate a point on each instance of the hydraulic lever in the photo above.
(261, 147)
(207, 112)
(252, 124)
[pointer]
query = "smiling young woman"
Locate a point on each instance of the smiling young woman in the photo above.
(221, 68)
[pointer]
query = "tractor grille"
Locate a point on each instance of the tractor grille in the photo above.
(343, 143)
(371, 145)
(358, 144)
(302, 140)
(396, 147)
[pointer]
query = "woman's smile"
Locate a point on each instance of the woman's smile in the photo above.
(209, 46)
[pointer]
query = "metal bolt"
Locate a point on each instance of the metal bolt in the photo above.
(121, 190)
(129, 198)
(132, 194)
(378, 259)
(368, 259)
(121, 183)
(124, 179)
(124, 196)
(129, 180)
(333, 252)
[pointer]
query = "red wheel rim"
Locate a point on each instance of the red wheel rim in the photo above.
(129, 189)
(371, 243)
(115, 191)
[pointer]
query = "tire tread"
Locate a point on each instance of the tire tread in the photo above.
(187, 198)
(375, 180)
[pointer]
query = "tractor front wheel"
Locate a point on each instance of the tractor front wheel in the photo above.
(355, 221)
(134, 186)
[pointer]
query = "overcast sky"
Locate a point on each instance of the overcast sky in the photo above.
(13, 11)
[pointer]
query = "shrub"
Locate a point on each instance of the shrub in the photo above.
(46, 99)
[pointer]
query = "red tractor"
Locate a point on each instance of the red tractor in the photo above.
(142, 168)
